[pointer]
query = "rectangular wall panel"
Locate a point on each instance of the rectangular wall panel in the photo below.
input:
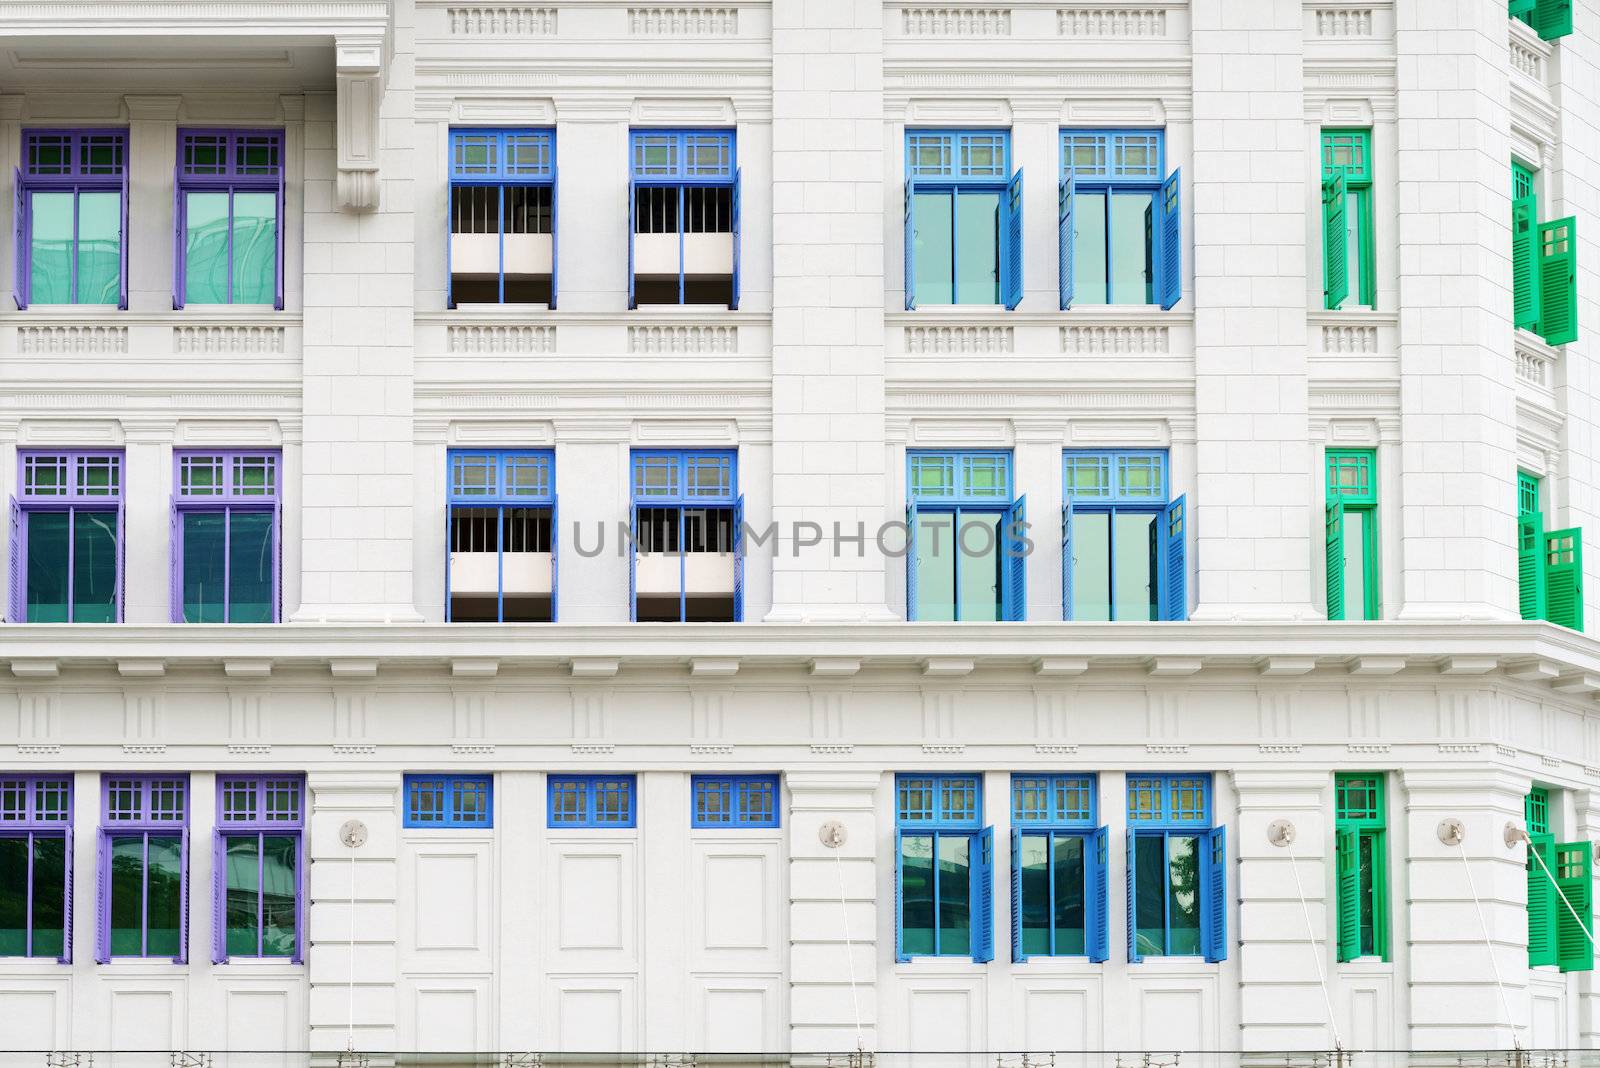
(449, 1018)
(1172, 1019)
(738, 1015)
(1055, 1017)
(451, 888)
(596, 1016)
(596, 901)
(257, 1020)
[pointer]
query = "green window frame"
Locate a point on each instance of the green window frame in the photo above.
(1361, 865)
(1560, 878)
(1549, 562)
(1544, 264)
(1349, 257)
(1351, 515)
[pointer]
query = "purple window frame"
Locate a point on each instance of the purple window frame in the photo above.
(71, 501)
(257, 828)
(230, 181)
(227, 501)
(27, 823)
(142, 822)
(76, 182)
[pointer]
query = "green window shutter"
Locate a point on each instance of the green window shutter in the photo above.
(1552, 18)
(1558, 280)
(1334, 536)
(1335, 253)
(1380, 894)
(1525, 261)
(1542, 902)
(1563, 577)
(1530, 565)
(1574, 870)
(1347, 859)
(1521, 9)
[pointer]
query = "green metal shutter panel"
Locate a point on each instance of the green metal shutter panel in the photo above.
(1335, 250)
(1563, 577)
(1525, 262)
(1334, 545)
(1552, 18)
(1574, 871)
(1347, 859)
(1541, 902)
(1558, 280)
(1530, 566)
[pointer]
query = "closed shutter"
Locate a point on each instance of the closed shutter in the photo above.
(1575, 916)
(1558, 280)
(1335, 246)
(1333, 544)
(982, 872)
(1064, 238)
(1134, 956)
(1169, 270)
(1347, 865)
(1014, 601)
(1011, 267)
(1214, 911)
(1525, 262)
(1530, 565)
(1097, 939)
(1563, 577)
(1017, 955)
(1541, 901)
(1174, 596)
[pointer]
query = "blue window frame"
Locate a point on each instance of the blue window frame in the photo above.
(963, 219)
(683, 217)
(687, 558)
(967, 544)
(502, 240)
(71, 218)
(1119, 219)
(1177, 869)
(1123, 542)
(592, 800)
(944, 868)
(503, 537)
(449, 801)
(734, 801)
(1058, 869)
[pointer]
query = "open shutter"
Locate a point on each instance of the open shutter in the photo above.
(738, 560)
(219, 899)
(277, 561)
(449, 234)
(555, 557)
(102, 899)
(66, 900)
(1333, 543)
(1552, 18)
(1174, 577)
(1335, 248)
(1066, 560)
(183, 907)
(911, 561)
(1530, 565)
(122, 243)
(277, 282)
(122, 563)
(633, 223)
(1542, 901)
(1525, 261)
(555, 232)
(1097, 938)
(19, 230)
(1169, 271)
(911, 244)
(1558, 280)
(633, 569)
(1064, 239)
(983, 897)
(1563, 577)
(1011, 269)
(1017, 954)
(900, 953)
(1347, 865)
(177, 236)
(1014, 601)
(1574, 870)
(16, 598)
(1521, 9)
(1134, 956)
(1214, 912)
(174, 563)
(738, 182)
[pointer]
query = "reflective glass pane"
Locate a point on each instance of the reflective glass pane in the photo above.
(1132, 280)
(980, 566)
(1366, 850)
(1036, 905)
(127, 896)
(250, 567)
(49, 889)
(1150, 902)
(1352, 245)
(204, 537)
(278, 886)
(99, 248)
(936, 566)
(1355, 564)
(955, 896)
(205, 248)
(255, 248)
(916, 894)
(1089, 280)
(13, 896)
(244, 878)
(1183, 854)
(166, 896)
(1135, 598)
(94, 567)
(50, 248)
(49, 535)
(1091, 566)
(933, 249)
(1067, 860)
(977, 248)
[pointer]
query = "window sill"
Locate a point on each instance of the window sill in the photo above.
(499, 309)
(270, 965)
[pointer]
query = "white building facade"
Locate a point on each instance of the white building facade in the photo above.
(485, 482)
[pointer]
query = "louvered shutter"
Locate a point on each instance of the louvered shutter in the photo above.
(1563, 577)
(66, 898)
(1011, 269)
(1064, 238)
(1169, 272)
(911, 244)
(1530, 565)
(982, 871)
(1347, 867)
(20, 263)
(1174, 577)
(1335, 247)
(911, 561)
(1096, 873)
(900, 953)
(102, 899)
(174, 563)
(1066, 561)
(738, 560)
(1134, 956)
(1333, 544)
(1525, 262)
(633, 569)
(1552, 18)
(1014, 601)
(1214, 912)
(1017, 954)
(1575, 878)
(278, 225)
(1558, 280)
(738, 183)
(633, 225)
(1542, 901)
(122, 242)
(178, 269)
(219, 899)
(183, 908)
(16, 595)
(555, 233)
(1521, 9)
(277, 561)
(555, 558)
(122, 563)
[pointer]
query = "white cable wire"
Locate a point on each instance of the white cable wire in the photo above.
(1316, 954)
(1494, 964)
(1534, 853)
(849, 951)
(350, 1024)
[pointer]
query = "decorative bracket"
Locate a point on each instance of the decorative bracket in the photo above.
(359, 83)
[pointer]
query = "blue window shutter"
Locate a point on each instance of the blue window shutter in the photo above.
(1017, 955)
(102, 899)
(982, 870)
(900, 953)
(448, 512)
(122, 248)
(633, 208)
(1015, 605)
(20, 263)
(1169, 274)
(738, 182)
(738, 560)
(911, 244)
(449, 235)
(633, 570)
(1214, 911)
(1134, 956)
(15, 600)
(911, 561)
(178, 271)
(1066, 561)
(1064, 239)
(219, 899)
(1175, 569)
(66, 900)
(1097, 934)
(1011, 270)
(555, 557)
(555, 252)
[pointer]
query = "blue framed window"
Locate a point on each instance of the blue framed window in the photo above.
(687, 561)
(71, 218)
(734, 801)
(1120, 219)
(967, 542)
(963, 219)
(1177, 869)
(683, 217)
(1123, 542)
(449, 801)
(592, 800)
(502, 241)
(502, 531)
(944, 868)
(1058, 869)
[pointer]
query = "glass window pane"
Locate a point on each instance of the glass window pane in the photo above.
(932, 249)
(936, 566)
(916, 894)
(1366, 847)
(1132, 280)
(205, 248)
(278, 887)
(1352, 244)
(13, 896)
(980, 557)
(50, 248)
(1183, 853)
(1091, 566)
(204, 535)
(1089, 279)
(1151, 895)
(48, 534)
(1135, 593)
(99, 248)
(166, 895)
(250, 566)
(244, 877)
(1036, 906)
(955, 896)
(977, 269)
(127, 896)
(94, 567)
(1067, 859)
(1355, 569)
(255, 248)
(49, 882)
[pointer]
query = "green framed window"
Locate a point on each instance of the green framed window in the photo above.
(1550, 19)
(1560, 890)
(1549, 562)
(1544, 264)
(1348, 256)
(1361, 864)
(1351, 535)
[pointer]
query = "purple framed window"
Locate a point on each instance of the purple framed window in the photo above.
(258, 868)
(225, 540)
(142, 874)
(36, 866)
(228, 218)
(71, 218)
(66, 538)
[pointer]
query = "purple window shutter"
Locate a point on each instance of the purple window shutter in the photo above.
(122, 243)
(66, 899)
(277, 561)
(219, 899)
(177, 232)
(175, 565)
(16, 596)
(300, 893)
(183, 914)
(122, 562)
(277, 295)
(102, 900)
(19, 221)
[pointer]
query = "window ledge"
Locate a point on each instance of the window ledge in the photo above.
(77, 315)
(1080, 315)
